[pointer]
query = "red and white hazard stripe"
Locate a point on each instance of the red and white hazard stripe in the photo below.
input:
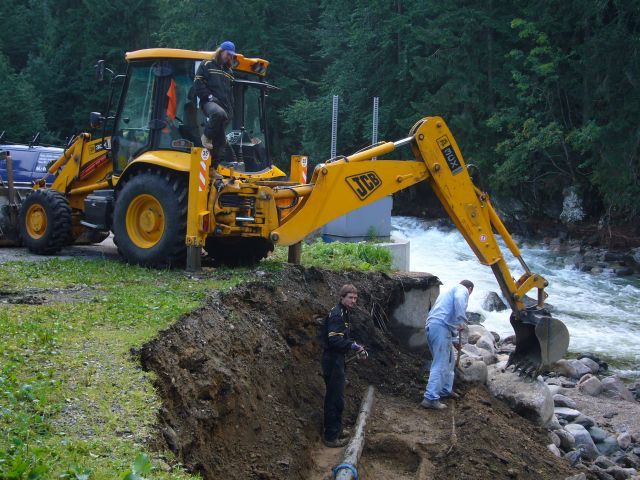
(203, 178)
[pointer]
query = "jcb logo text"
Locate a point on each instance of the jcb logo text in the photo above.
(364, 184)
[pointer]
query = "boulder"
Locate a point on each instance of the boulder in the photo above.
(584, 420)
(579, 476)
(471, 351)
(608, 447)
(599, 473)
(553, 389)
(567, 441)
(510, 340)
(563, 368)
(532, 400)
(584, 440)
(562, 401)
(487, 343)
(598, 434)
(474, 318)
(624, 440)
(590, 385)
(496, 336)
(629, 460)
(569, 414)
(471, 370)
(613, 387)
(475, 332)
(604, 462)
(555, 439)
(591, 364)
(493, 303)
(555, 450)
(620, 473)
(581, 368)
(554, 424)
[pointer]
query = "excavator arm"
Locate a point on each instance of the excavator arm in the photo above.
(346, 183)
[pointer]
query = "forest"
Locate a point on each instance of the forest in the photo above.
(542, 96)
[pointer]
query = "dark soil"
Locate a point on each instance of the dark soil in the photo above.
(242, 392)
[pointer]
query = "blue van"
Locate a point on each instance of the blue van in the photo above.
(30, 163)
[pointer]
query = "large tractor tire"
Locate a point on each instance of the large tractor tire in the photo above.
(150, 219)
(237, 251)
(45, 221)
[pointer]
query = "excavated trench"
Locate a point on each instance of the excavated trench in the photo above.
(242, 393)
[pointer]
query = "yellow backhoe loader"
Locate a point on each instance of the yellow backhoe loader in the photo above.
(151, 183)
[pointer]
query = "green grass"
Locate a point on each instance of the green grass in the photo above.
(341, 256)
(74, 403)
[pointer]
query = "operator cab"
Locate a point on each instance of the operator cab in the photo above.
(158, 109)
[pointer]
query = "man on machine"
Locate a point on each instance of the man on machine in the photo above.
(213, 85)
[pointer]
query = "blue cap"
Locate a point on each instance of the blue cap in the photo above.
(228, 46)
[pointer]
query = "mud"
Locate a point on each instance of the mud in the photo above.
(242, 392)
(40, 296)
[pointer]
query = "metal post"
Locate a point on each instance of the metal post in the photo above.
(334, 127)
(295, 253)
(374, 132)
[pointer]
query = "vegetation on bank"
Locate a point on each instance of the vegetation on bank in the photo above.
(74, 402)
(364, 256)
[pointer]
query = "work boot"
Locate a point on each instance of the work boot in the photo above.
(206, 142)
(433, 404)
(454, 395)
(337, 443)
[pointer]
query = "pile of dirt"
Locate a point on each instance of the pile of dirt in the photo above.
(242, 391)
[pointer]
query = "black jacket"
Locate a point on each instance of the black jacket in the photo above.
(338, 330)
(215, 80)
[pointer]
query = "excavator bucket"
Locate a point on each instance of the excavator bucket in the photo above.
(540, 341)
(8, 206)
(8, 215)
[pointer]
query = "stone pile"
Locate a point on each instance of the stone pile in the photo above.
(601, 451)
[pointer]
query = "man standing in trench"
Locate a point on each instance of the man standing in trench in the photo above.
(337, 342)
(445, 320)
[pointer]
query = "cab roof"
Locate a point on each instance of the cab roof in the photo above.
(255, 66)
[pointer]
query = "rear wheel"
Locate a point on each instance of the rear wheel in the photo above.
(45, 221)
(150, 219)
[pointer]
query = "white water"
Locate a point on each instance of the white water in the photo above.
(602, 312)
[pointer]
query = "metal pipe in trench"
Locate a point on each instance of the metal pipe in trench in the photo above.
(346, 470)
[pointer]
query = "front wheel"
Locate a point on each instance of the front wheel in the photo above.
(150, 219)
(45, 221)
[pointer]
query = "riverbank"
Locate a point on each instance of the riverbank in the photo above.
(592, 417)
(599, 308)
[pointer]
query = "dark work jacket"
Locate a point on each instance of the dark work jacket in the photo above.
(338, 330)
(216, 80)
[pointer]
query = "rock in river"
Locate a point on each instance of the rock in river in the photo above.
(532, 400)
(493, 302)
(584, 440)
(562, 401)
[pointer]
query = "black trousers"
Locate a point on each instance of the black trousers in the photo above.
(214, 125)
(333, 373)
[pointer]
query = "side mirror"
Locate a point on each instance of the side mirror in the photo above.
(95, 119)
(100, 67)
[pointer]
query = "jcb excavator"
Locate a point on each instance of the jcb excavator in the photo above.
(152, 184)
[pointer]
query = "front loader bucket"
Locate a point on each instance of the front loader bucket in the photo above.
(540, 341)
(8, 223)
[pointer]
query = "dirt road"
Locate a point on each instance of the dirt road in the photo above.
(106, 249)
